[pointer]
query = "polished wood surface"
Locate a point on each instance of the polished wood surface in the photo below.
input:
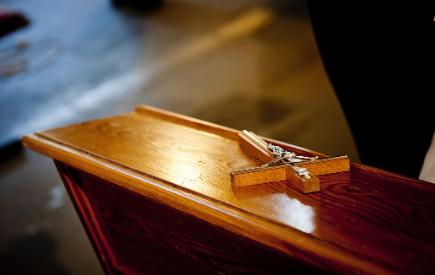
(366, 221)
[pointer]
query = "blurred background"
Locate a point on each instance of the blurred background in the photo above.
(244, 64)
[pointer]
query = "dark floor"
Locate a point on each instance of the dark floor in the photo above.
(243, 64)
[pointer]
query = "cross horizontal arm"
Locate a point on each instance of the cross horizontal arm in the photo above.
(259, 175)
(254, 176)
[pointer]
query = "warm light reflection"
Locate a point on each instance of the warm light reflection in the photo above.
(293, 212)
(188, 172)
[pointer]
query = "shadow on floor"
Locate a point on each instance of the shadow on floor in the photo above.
(34, 254)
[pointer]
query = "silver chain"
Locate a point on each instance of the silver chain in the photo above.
(282, 155)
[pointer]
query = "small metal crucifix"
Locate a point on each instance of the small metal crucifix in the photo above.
(301, 171)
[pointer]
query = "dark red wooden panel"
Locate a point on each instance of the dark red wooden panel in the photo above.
(137, 235)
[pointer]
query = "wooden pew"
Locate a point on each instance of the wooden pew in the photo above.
(153, 191)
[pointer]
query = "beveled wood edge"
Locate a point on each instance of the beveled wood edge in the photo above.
(264, 231)
(198, 124)
(209, 127)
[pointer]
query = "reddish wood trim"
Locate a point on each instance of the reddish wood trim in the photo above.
(150, 237)
(85, 214)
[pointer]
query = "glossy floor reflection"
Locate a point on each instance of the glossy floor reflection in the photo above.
(244, 64)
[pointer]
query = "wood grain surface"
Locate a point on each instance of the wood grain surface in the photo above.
(366, 221)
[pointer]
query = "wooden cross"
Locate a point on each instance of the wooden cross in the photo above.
(302, 174)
